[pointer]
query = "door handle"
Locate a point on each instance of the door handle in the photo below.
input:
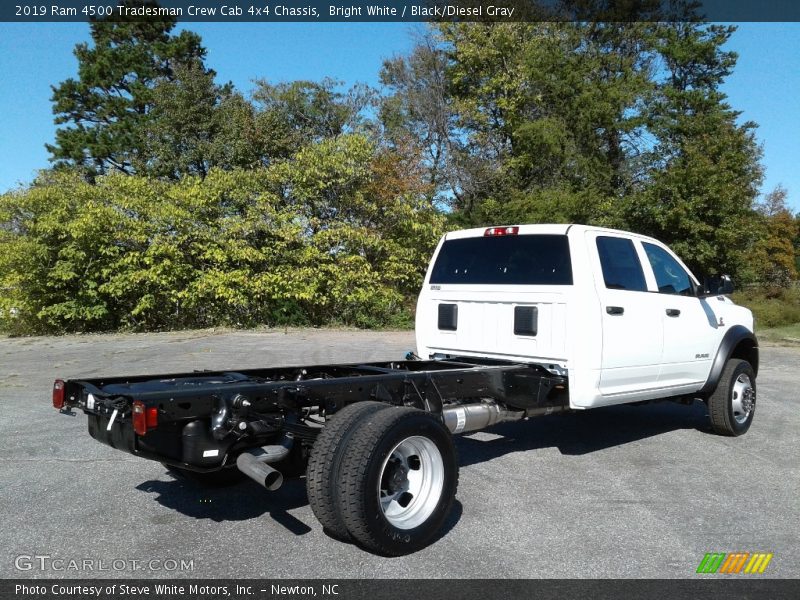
(673, 312)
(615, 310)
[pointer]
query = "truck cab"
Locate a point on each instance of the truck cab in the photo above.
(619, 314)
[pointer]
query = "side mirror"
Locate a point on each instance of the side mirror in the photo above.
(726, 285)
(718, 285)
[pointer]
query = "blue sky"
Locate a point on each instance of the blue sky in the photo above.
(765, 85)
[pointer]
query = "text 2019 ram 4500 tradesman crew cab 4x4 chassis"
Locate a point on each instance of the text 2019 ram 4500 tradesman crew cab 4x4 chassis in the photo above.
(512, 322)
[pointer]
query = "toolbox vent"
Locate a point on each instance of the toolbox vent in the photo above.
(526, 319)
(448, 317)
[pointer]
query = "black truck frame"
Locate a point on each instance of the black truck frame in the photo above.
(263, 421)
(250, 407)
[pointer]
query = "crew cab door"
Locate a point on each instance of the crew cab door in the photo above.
(631, 317)
(691, 328)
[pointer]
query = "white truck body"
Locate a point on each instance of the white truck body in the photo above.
(618, 313)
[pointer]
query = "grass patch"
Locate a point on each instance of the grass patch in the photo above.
(787, 335)
(772, 308)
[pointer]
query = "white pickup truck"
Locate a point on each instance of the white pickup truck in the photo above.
(617, 313)
(512, 322)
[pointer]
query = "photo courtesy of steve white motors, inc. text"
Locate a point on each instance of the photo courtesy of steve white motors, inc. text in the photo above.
(101, 589)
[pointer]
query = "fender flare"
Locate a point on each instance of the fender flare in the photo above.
(730, 341)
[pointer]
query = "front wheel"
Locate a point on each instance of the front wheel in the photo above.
(733, 404)
(398, 480)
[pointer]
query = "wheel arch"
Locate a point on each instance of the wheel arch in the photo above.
(738, 342)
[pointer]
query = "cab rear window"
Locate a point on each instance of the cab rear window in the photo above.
(539, 259)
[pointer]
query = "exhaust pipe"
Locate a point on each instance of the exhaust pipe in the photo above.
(255, 463)
(260, 472)
(472, 417)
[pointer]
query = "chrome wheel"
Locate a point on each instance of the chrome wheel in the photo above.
(411, 482)
(743, 398)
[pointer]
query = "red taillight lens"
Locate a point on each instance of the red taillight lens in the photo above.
(139, 418)
(152, 417)
(59, 394)
(144, 418)
(501, 231)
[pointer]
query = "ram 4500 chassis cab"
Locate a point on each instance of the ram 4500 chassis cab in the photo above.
(512, 322)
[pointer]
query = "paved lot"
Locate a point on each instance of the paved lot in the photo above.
(618, 492)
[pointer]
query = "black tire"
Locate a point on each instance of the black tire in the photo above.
(374, 469)
(324, 464)
(732, 406)
(222, 478)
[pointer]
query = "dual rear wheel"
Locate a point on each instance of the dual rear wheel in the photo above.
(382, 476)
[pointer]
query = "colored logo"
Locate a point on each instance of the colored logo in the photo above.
(736, 562)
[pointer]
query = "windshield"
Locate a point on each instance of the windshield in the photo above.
(505, 260)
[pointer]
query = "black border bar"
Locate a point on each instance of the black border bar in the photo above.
(705, 587)
(409, 10)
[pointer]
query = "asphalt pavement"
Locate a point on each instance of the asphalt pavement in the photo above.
(618, 492)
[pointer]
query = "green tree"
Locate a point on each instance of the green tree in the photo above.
(105, 110)
(298, 113)
(336, 234)
(240, 139)
(704, 170)
(180, 135)
(773, 256)
(368, 230)
(417, 115)
(617, 123)
(796, 242)
(548, 114)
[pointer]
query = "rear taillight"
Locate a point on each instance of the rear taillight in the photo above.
(139, 418)
(501, 231)
(152, 417)
(144, 418)
(59, 394)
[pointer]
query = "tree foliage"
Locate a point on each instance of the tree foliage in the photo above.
(180, 202)
(184, 128)
(773, 256)
(620, 124)
(107, 107)
(301, 112)
(704, 172)
(417, 117)
(333, 235)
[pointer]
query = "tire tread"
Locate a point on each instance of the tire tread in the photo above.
(322, 473)
(353, 477)
(719, 403)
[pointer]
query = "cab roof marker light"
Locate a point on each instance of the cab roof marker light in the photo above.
(495, 231)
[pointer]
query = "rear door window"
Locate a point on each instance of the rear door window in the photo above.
(505, 260)
(621, 267)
